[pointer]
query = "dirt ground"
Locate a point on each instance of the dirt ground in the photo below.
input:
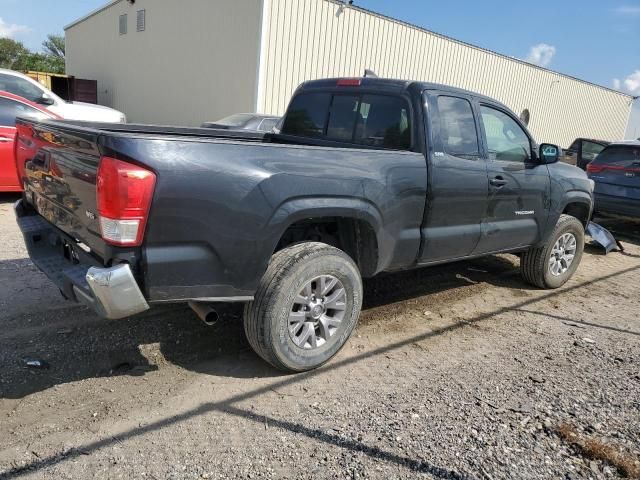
(460, 371)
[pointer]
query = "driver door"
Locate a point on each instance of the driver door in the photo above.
(519, 186)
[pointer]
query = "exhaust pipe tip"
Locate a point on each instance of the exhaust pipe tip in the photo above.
(205, 312)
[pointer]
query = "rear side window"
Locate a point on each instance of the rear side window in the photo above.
(458, 127)
(307, 114)
(383, 121)
(10, 109)
(627, 156)
(379, 121)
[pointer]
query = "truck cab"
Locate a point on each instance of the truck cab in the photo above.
(488, 188)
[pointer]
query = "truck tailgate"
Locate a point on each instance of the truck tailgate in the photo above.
(58, 167)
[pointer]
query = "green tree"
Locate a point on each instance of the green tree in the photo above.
(12, 54)
(53, 46)
(15, 56)
(41, 62)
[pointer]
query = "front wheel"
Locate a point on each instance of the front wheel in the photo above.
(552, 265)
(305, 308)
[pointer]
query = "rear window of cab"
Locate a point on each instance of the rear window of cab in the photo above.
(379, 121)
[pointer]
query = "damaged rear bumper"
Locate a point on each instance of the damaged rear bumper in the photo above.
(112, 292)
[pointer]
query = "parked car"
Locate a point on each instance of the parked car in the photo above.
(12, 106)
(245, 121)
(27, 87)
(582, 151)
(350, 187)
(616, 173)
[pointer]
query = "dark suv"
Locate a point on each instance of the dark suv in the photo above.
(616, 172)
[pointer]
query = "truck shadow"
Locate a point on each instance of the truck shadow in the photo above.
(74, 344)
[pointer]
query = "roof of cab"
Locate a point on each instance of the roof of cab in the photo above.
(390, 85)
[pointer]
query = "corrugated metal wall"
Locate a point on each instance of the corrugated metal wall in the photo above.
(309, 39)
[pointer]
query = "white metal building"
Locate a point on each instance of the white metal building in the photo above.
(185, 62)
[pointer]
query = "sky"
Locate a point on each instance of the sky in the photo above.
(597, 41)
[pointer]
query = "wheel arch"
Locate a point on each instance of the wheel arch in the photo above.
(578, 205)
(354, 224)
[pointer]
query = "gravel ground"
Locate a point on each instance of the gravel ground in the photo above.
(460, 371)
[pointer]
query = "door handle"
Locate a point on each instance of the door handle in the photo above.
(5, 139)
(498, 181)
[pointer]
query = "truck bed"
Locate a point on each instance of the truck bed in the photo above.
(222, 199)
(147, 129)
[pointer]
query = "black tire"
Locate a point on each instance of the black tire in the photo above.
(266, 319)
(535, 263)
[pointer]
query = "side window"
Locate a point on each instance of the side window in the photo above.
(458, 127)
(590, 150)
(20, 86)
(10, 109)
(506, 140)
(307, 114)
(383, 121)
(575, 145)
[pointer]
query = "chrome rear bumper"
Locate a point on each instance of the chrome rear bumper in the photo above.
(115, 292)
(112, 293)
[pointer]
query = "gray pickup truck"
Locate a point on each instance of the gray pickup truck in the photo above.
(365, 176)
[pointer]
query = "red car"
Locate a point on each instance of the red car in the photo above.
(12, 106)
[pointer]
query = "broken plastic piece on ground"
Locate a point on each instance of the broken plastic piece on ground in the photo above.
(35, 363)
(603, 237)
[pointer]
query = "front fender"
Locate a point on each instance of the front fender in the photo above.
(572, 197)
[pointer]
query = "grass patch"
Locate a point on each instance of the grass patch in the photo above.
(597, 449)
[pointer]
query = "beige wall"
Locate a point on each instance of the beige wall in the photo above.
(196, 60)
(308, 39)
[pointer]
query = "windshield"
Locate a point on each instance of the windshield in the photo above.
(237, 120)
(268, 124)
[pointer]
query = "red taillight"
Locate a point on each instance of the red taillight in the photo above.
(23, 147)
(349, 82)
(591, 168)
(124, 193)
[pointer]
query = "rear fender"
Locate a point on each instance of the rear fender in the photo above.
(295, 210)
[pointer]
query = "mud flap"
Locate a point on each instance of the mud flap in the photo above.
(603, 237)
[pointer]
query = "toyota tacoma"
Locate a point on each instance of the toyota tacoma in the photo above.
(363, 176)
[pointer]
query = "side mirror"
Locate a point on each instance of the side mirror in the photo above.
(45, 100)
(549, 153)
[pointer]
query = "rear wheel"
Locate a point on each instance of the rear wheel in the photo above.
(305, 308)
(552, 265)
